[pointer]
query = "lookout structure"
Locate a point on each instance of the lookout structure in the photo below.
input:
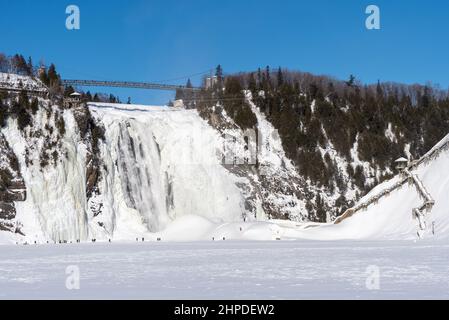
(74, 100)
(401, 164)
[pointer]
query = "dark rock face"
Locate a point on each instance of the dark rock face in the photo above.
(276, 190)
(12, 187)
(91, 133)
(7, 211)
(13, 191)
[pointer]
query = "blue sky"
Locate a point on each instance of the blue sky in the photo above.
(145, 40)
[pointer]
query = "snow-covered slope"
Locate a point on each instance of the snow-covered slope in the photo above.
(392, 216)
(19, 82)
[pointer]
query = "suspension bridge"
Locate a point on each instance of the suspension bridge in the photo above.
(39, 89)
(127, 84)
(36, 86)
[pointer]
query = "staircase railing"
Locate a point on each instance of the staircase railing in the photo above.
(407, 176)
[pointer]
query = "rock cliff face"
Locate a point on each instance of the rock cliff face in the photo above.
(272, 187)
(12, 187)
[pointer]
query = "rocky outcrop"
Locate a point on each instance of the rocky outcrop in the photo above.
(270, 183)
(12, 187)
(91, 133)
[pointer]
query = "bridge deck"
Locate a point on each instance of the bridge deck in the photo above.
(127, 84)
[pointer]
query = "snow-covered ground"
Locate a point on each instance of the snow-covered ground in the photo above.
(15, 81)
(227, 270)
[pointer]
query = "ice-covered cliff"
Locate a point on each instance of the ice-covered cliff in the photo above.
(154, 164)
(159, 164)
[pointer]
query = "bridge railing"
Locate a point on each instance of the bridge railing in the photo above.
(127, 84)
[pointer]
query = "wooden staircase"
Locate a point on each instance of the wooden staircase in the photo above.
(406, 176)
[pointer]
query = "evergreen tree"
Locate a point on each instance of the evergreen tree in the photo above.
(320, 210)
(236, 106)
(252, 85)
(43, 76)
(426, 98)
(351, 81)
(53, 77)
(19, 64)
(20, 110)
(34, 106)
(379, 91)
(68, 91)
(3, 114)
(268, 74)
(219, 75)
(280, 77)
(30, 67)
(24, 101)
(187, 96)
(4, 63)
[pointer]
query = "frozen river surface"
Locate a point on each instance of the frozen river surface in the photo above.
(227, 270)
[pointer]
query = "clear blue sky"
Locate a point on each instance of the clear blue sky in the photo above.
(148, 40)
